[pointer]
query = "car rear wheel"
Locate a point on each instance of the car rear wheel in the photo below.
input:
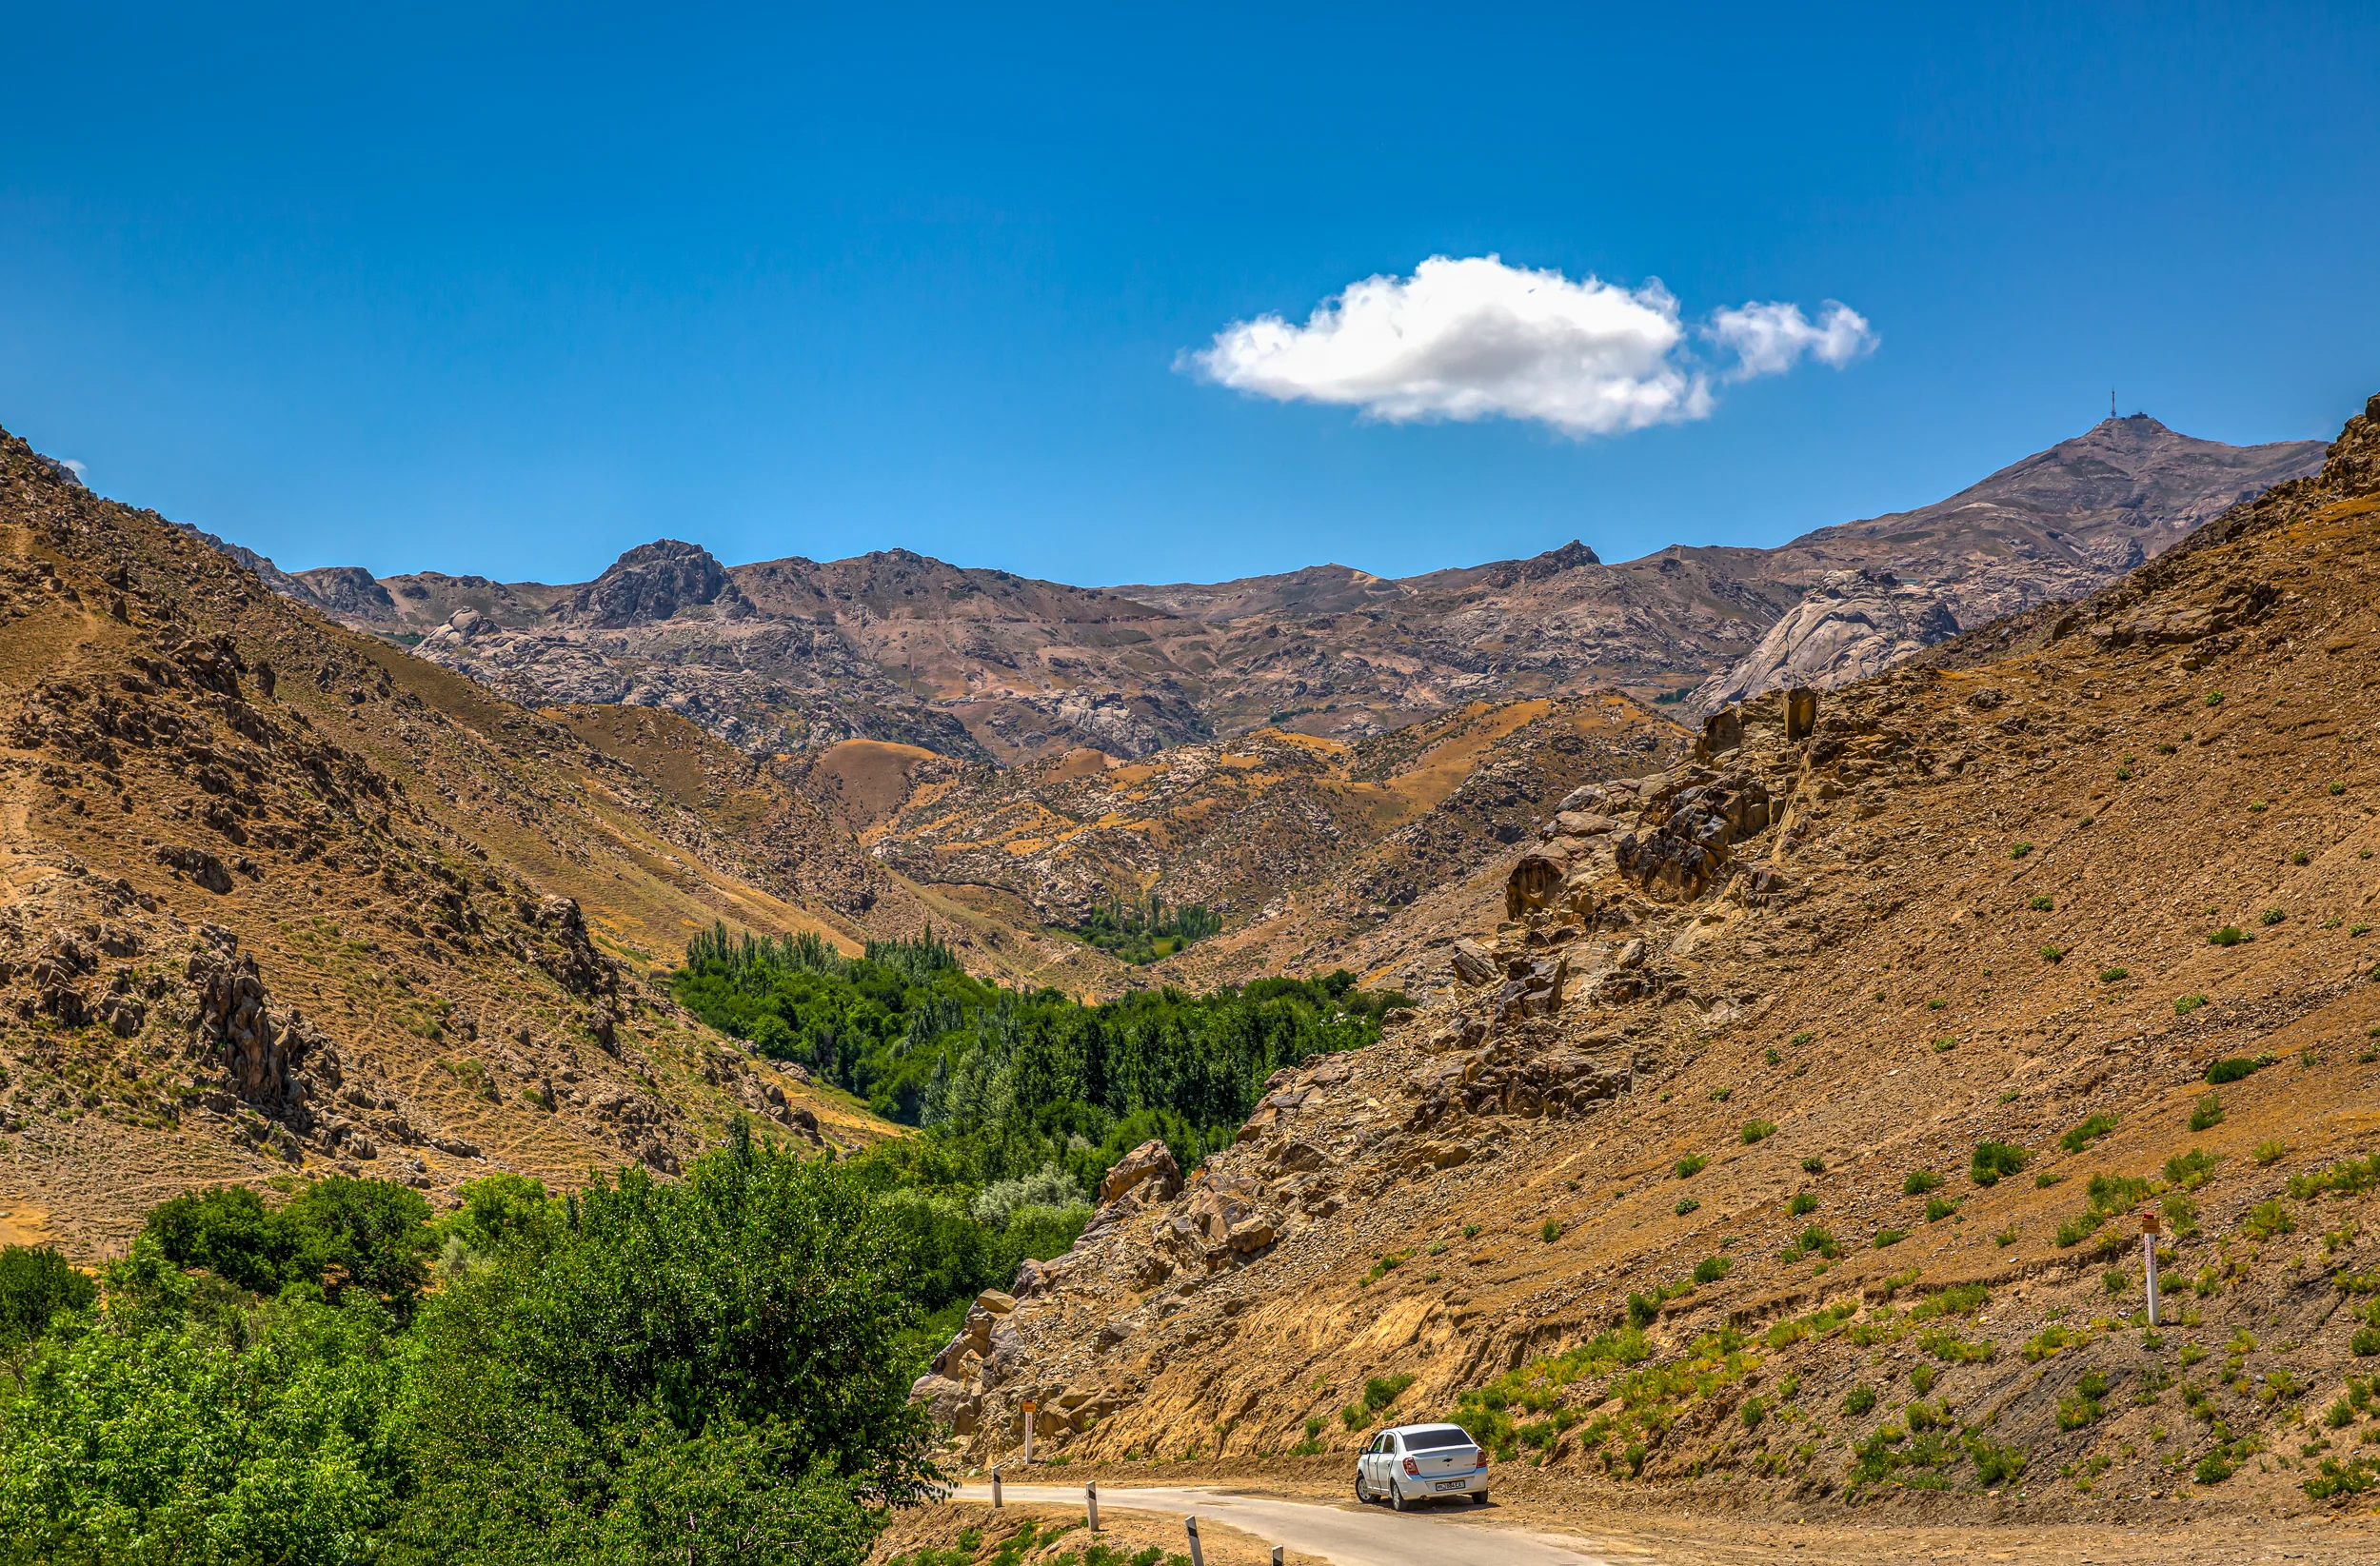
(1396, 1496)
(1478, 1497)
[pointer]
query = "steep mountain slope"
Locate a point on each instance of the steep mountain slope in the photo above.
(276, 897)
(2051, 527)
(1775, 1138)
(980, 665)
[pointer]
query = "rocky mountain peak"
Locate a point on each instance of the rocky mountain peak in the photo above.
(653, 581)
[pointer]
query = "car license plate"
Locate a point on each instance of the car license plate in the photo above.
(1451, 1485)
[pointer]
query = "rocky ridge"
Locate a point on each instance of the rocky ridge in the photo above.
(981, 665)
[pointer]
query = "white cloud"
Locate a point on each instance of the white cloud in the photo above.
(1770, 339)
(75, 467)
(1474, 338)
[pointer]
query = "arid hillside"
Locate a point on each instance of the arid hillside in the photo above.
(799, 655)
(1782, 1132)
(276, 897)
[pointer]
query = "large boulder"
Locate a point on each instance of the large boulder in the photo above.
(1849, 625)
(1152, 1161)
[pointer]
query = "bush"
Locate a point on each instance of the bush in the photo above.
(2019, 850)
(1803, 1201)
(1380, 1390)
(1550, 1231)
(2232, 1068)
(2109, 976)
(1996, 1465)
(2090, 1131)
(1689, 1166)
(2191, 1169)
(2230, 935)
(2185, 1004)
(1814, 1165)
(2208, 1113)
(35, 1283)
(1049, 1186)
(2214, 1468)
(2270, 1153)
(1938, 1208)
(2266, 1220)
(1712, 1268)
(1685, 1205)
(2365, 1342)
(1885, 1238)
(2042, 906)
(2270, 916)
(1754, 1410)
(2052, 954)
(1945, 1044)
(1918, 1182)
(1993, 1159)
(1859, 1400)
(1758, 1131)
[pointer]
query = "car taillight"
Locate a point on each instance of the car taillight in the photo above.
(1413, 1468)
(1482, 1462)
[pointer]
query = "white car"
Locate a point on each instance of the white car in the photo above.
(1416, 1462)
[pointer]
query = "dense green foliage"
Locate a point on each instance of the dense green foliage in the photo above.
(1138, 933)
(1018, 1081)
(695, 1372)
(37, 1283)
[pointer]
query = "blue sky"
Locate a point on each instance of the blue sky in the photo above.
(507, 290)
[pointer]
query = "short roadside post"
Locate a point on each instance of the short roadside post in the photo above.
(1197, 1557)
(1091, 1500)
(995, 1486)
(1028, 1431)
(2148, 1230)
(1277, 1556)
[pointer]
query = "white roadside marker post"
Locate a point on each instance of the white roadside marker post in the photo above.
(1028, 1431)
(1091, 1500)
(1197, 1557)
(1277, 1556)
(2148, 1227)
(996, 1487)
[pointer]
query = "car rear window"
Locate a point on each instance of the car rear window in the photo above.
(1430, 1440)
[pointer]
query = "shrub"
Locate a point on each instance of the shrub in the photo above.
(1819, 1240)
(1712, 1268)
(2232, 1068)
(1771, 1056)
(1380, 1390)
(2208, 1113)
(1814, 1165)
(1996, 1465)
(2230, 935)
(2109, 976)
(2185, 1004)
(2213, 1468)
(1720, 1094)
(1470, 1231)
(1758, 1131)
(2258, 807)
(2270, 1153)
(2019, 850)
(2268, 1219)
(2042, 906)
(2191, 1169)
(1885, 1238)
(2337, 789)
(1993, 1159)
(2090, 1131)
(2270, 916)
(1918, 1182)
(1859, 1400)
(2215, 698)
(2299, 858)
(1550, 1231)
(1689, 1166)
(1801, 1038)
(1803, 1201)
(2052, 954)
(2365, 1342)
(1945, 1044)
(1754, 1410)
(36, 1283)
(1685, 1205)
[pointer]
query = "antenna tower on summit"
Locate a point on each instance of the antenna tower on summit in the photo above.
(2111, 402)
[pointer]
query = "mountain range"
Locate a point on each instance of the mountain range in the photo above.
(794, 654)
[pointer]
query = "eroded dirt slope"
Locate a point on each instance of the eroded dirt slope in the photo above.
(277, 898)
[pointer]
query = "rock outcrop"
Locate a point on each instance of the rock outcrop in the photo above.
(1852, 625)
